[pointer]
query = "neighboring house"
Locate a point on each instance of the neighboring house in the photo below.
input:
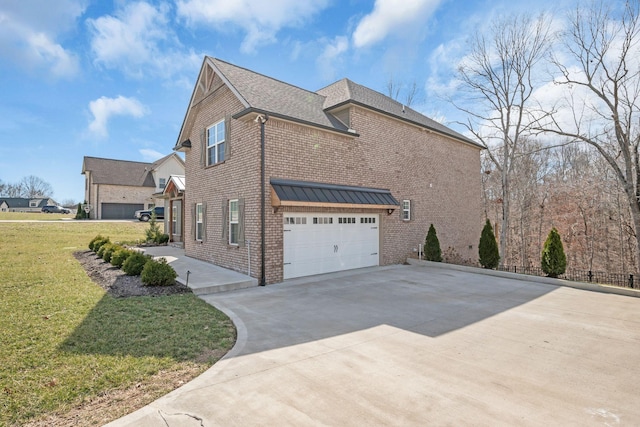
(20, 204)
(284, 182)
(115, 189)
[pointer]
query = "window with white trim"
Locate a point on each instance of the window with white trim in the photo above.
(33, 204)
(215, 143)
(199, 222)
(234, 216)
(406, 210)
(174, 219)
(162, 183)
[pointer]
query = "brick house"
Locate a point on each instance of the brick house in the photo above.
(117, 188)
(283, 182)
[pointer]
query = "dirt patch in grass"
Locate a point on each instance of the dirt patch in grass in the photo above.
(117, 403)
(117, 283)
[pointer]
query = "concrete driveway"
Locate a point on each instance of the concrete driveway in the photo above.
(411, 345)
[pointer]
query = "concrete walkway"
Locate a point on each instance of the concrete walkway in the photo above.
(202, 277)
(416, 345)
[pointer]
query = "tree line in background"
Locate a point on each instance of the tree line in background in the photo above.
(559, 114)
(29, 187)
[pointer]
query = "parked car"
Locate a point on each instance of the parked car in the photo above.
(55, 209)
(145, 215)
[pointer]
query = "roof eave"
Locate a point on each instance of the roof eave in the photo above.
(207, 60)
(258, 111)
(404, 119)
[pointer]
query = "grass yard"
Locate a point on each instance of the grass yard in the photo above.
(34, 216)
(67, 347)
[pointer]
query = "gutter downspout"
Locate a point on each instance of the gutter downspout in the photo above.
(262, 119)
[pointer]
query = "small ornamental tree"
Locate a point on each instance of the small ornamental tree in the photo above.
(432, 250)
(153, 231)
(488, 247)
(554, 261)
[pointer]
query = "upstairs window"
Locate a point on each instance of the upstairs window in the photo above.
(215, 143)
(163, 183)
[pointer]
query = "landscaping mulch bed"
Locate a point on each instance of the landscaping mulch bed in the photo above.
(117, 283)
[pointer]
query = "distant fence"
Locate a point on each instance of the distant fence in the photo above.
(622, 280)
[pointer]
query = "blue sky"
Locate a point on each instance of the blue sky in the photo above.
(113, 78)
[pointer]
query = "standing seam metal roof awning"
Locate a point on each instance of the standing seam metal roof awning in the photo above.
(316, 194)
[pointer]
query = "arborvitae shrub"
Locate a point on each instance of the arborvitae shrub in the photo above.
(119, 256)
(554, 261)
(109, 249)
(94, 240)
(432, 250)
(102, 248)
(98, 244)
(488, 247)
(80, 213)
(135, 263)
(158, 273)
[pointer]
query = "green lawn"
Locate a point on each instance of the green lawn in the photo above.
(64, 341)
(31, 216)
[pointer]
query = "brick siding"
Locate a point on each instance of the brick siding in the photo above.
(440, 175)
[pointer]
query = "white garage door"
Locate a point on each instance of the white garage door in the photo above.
(322, 243)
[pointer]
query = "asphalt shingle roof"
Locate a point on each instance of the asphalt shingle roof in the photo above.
(345, 91)
(119, 172)
(20, 202)
(270, 95)
(266, 94)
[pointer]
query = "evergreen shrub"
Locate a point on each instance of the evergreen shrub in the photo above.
(158, 273)
(120, 256)
(135, 263)
(432, 250)
(554, 261)
(488, 247)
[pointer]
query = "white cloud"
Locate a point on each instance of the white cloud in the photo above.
(104, 108)
(149, 155)
(443, 64)
(260, 21)
(29, 31)
(330, 57)
(138, 39)
(392, 17)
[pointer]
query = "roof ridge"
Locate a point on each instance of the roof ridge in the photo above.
(117, 160)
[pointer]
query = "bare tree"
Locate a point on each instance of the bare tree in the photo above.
(12, 190)
(394, 89)
(603, 44)
(498, 75)
(33, 187)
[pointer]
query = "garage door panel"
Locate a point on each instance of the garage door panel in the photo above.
(120, 210)
(322, 243)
